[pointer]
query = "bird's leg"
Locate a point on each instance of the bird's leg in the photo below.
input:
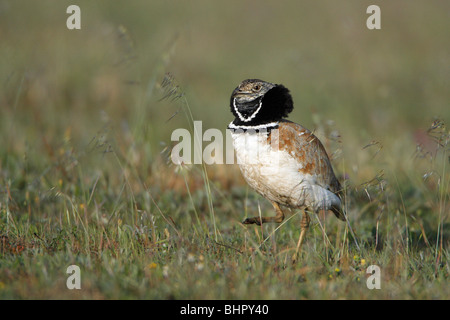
(304, 225)
(279, 217)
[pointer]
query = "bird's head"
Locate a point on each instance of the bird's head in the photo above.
(256, 102)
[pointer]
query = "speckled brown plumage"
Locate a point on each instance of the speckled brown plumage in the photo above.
(307, 149)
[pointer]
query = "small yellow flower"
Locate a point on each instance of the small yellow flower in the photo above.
(152, 266)
(363, 262)
(81, 206)
(337, 270)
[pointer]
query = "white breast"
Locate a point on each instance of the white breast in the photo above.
(275, 174)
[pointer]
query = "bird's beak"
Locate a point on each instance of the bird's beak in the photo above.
(240, 94)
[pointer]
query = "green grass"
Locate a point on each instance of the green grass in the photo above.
(85, 171)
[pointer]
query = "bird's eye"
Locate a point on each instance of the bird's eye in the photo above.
(256, 87)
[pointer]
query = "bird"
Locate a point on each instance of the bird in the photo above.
(280, 159)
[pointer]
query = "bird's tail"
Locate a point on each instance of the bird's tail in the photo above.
(338, 210)
(338, 213)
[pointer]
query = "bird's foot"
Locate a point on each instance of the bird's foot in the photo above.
(252, 220)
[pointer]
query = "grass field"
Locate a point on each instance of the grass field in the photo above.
(85, 129)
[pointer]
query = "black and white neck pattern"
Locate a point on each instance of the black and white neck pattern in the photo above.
(263, 112)
(247, 111)
(260, 128)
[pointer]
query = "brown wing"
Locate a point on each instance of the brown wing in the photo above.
(303, 145)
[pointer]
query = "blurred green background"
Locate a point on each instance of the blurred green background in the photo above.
(375, 84)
